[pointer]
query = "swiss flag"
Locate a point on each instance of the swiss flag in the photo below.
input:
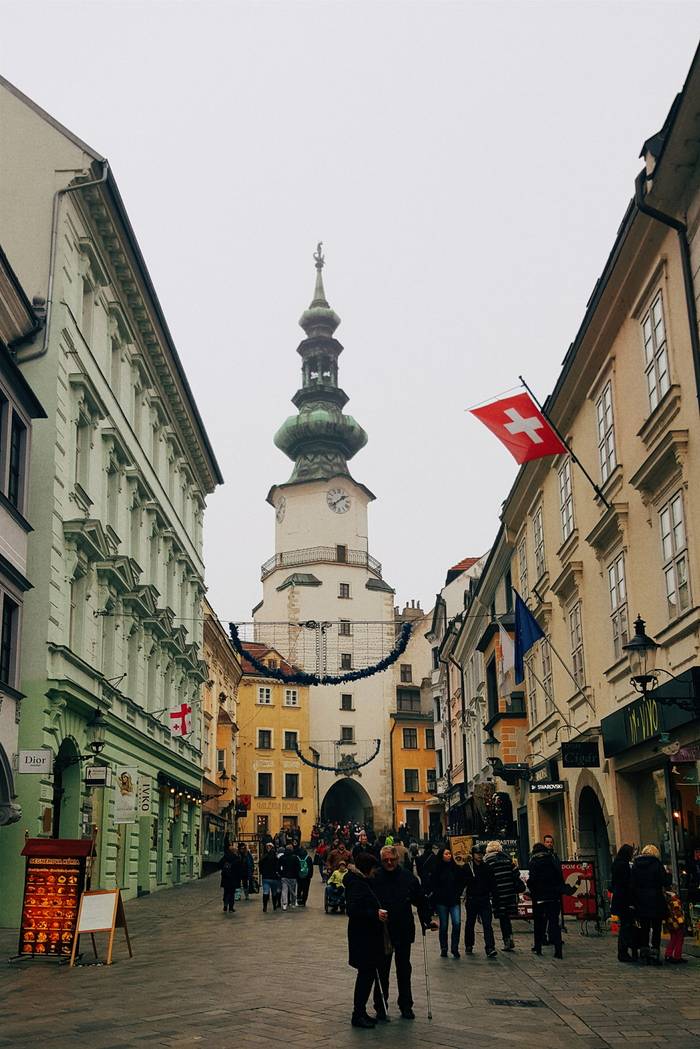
(521, 426)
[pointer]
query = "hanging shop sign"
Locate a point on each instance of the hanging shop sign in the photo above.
(144, 793)
(35, 760)
(53, 880)
(652, 714)
(547, 787)
(98, 776)
(580, 755)
(579, 877)
(125, 801)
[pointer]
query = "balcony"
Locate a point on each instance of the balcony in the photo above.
(314, 555)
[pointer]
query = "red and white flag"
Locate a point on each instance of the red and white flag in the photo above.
(180, 720)
(521, 426)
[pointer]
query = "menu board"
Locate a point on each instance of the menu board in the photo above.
(52, 888)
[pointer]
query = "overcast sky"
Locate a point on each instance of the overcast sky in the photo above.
(466, 165)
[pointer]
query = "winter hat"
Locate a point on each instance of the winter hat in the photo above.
(389, 840)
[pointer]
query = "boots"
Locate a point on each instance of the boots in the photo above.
(276, 901)
(266, 900)
(509, 944)
(536, 949)
(558, 951)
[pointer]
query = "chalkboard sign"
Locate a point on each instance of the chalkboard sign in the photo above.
(101, 910)
(580, 755)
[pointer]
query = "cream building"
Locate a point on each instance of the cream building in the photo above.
(120, 472)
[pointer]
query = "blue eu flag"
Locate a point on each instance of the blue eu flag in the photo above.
(527, 632)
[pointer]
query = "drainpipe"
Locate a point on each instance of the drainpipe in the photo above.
(41, 350)
(686, 265)
(391, 771)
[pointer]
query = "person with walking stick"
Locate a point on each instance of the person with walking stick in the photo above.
(367, 940)
(398, 891)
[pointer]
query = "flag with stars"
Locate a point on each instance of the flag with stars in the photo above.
(522, 427)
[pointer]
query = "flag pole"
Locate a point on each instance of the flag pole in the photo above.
(551, 699)
(566, 668)
(574, 457)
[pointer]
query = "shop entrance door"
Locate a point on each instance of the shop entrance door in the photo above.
(594, 842)
(413, 823)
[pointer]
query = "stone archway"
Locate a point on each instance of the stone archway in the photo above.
(10, 811)
(348, 802)
(67, 789)
(594, 841)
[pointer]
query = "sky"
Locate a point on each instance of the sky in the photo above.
(466, 165)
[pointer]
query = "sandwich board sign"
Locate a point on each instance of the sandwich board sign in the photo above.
(101, 910)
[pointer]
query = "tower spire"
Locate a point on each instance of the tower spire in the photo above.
(320, 439)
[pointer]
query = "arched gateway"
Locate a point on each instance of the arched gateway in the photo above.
(348, 802)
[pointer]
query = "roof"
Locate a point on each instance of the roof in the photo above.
(461, 566)
(261, 652)
(300, 579)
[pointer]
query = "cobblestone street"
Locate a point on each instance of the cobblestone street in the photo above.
(199, 977)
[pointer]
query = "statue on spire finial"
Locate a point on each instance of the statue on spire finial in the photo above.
(319, 257)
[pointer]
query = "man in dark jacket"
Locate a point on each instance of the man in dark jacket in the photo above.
(363, 847)
(248, 865)
(505, 881)
(478, 884)
(546, 886)
(270, 877)
(289, 869)
(621, 903)
(366, 939)
(306, 873)
(398, 891)
(231, 873)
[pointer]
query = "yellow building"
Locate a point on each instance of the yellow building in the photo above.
(274, 718)
(219, 736)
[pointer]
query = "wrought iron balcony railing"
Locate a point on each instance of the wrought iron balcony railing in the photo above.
(337, 555)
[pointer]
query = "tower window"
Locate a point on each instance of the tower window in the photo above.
(347, 734)
(344, 590)
(341, 553)
(345, 661)
(344, 628)
(346, 701)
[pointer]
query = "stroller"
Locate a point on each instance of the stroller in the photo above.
(334, 899)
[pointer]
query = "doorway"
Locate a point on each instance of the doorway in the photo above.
(347, 802)
(413, 823)
(66, 791)
(594, 842)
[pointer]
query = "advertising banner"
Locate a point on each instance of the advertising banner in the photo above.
(125, 798)
(580, 877)
(524, 899)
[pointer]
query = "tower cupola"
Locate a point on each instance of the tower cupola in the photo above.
(320, 438)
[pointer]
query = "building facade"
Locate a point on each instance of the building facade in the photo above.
(113, 627)
(275, 785)
(219, 737)
(322, 572)
(19, 408)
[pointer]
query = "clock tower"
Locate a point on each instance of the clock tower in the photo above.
(322, 570)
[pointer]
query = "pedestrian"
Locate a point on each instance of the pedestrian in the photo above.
(647, 883)
(231, 873)
(546, 886)
(674, 924)
(338, 853)
(320, 860)
(478, 899)
(363, 847)
(413, 852)
(621, 904)
(289, 869)
(306, 873)
(248, 866)
(548, 842)
(270, 877)
(422, 858)
(281, 839)
(505, 886)
(446, 888)
(398, 891)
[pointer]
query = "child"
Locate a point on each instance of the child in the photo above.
(338, 876)
(674, 924)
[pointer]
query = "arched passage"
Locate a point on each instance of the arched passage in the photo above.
(348, 802)
(594, 843)
(66, 791)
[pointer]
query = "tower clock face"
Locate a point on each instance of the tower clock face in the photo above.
(280, 509)
(338, 500)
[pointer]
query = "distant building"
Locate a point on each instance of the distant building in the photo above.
(18, 409)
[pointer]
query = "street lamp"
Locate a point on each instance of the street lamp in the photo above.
(492, 744)
(642, 656)
(97, 726)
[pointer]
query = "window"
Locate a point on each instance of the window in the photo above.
(655, 352)
(491, 689)
(531, 685)
(675, 555)
(291, 784)
(522, 568)
(290, 740)
(341, 553)
(618, 604)
(344, 628)
(343, 590)
(15, 480)
(347, 734)
(410, 739)
(431, 780)
(345, 661)
(406, 672)
(291, 697)
(566, 500)
(264, 739)
(606, 433)
(346, 701)
(264, 784)
(538, 531)
(265, 696)
(430, 739)
(576, 634)
(221, 761)
(408, 700)
(436, 658)
(273, 664)
(508, 587)
(410, 781)
(8, 640)
(547, 679)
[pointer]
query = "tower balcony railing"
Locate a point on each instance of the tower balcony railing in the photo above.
(310, 555)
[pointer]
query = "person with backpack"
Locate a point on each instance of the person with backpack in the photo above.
(289, 867)
(306, 873)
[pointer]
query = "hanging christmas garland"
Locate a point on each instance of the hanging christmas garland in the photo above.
(346, 765)
(301, 677)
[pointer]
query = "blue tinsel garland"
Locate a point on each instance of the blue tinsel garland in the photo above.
(300, 677)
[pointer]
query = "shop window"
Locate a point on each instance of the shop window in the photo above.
(675, 556)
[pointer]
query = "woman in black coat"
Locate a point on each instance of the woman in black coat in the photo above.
(647, 883)
(446, 885)
(366, 943)
(621, 903)
(546, 887)
(231, 867)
